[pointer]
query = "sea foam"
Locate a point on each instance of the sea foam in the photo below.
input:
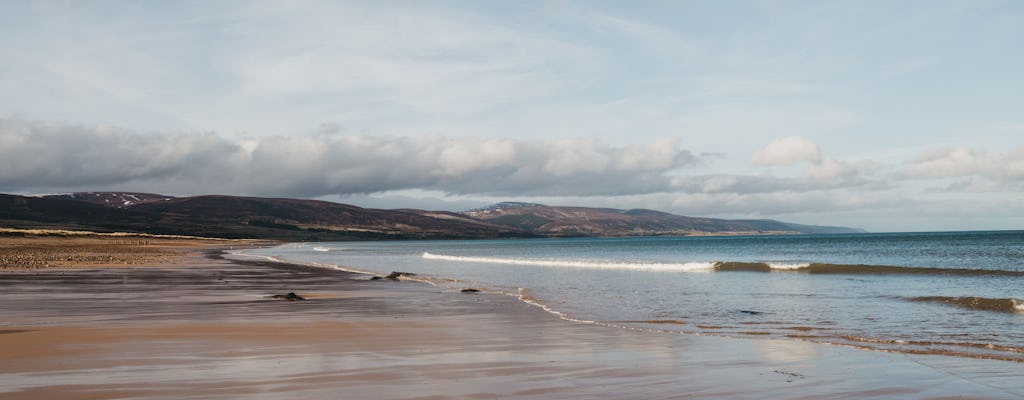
(583, 264)
(788, 266)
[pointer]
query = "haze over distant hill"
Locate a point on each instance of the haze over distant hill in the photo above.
(298, 219)
(583, 221)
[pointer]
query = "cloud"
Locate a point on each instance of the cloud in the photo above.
(43, 155)
(788, 151)
(829, 175)
(37, 156)
(267, 67)
(57, 155)
(831, 170)
(334, 163)
(946, 162)
(977, 169)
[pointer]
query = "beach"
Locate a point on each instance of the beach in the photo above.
(192, 323)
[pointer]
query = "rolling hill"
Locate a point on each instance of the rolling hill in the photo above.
(300, 220)
(238, 217)
(583, 221)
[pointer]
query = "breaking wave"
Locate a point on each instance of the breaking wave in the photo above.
(638, 266)
(728, 266)
(1009, 305)
(819, 268)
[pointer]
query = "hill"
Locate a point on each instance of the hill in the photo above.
(238, 217)
(583, 221)
(298, 220)
(113, 199)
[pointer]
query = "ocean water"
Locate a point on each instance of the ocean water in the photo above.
(951, 293)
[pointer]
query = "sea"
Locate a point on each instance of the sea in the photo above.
(959, 294)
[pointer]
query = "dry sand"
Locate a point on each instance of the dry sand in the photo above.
(193, 327)
(33, 249)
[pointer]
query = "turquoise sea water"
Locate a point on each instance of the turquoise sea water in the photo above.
(952, 293)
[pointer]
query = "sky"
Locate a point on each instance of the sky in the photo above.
(881, 115)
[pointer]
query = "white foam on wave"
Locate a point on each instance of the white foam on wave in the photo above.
(321, 249)
(788, 266)
(660, 267)
(1018, 305)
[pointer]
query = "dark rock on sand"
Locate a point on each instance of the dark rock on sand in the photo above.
(376, 278)
(470, 290)
(395, 275)
(291, 296)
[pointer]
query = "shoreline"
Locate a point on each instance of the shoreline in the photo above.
(205, 327)
(961, 349)
(522, 296)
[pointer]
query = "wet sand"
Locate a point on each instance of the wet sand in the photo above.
(205, 327)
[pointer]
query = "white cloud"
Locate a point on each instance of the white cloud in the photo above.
(789, 150)
(830, 170)
(948, 162)
(47, 156)
(53, 155)
(461, 157)
(980, 170)
(819, 172)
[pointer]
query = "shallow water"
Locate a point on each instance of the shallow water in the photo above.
(952, 293)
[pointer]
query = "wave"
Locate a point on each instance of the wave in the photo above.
(897, 270)
(729, 266)
(637, 266)
(808, 333)
(858, 269)
(1010, 305)
(756, 266)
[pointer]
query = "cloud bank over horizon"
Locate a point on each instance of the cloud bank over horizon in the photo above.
(49, 157)
(55, 156)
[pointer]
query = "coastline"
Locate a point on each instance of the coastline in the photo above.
(202, 325)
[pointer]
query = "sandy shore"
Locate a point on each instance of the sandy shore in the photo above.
(205, 327)
(35, 249)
